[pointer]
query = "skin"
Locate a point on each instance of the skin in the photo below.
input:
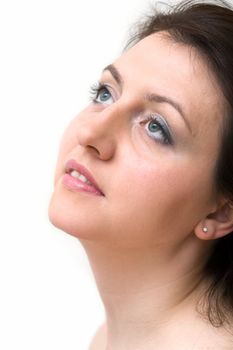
(144, 238)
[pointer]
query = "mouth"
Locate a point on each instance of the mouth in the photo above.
(78, 178)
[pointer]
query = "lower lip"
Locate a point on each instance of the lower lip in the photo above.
(77, 185)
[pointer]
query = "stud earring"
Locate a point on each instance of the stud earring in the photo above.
(205, 229)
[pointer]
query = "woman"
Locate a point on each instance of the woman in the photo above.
(144, 181)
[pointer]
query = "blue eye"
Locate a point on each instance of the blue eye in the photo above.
(101, 94)
(153, 126)
(158, 129)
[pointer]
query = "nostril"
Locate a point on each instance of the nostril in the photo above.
(98, 141)
(94, 149)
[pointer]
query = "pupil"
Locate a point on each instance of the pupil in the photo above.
(104, 95)
(153, 126)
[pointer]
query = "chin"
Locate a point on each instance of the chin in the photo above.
(72, 218)
(58, 217)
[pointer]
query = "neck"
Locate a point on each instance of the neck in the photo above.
(143, 291)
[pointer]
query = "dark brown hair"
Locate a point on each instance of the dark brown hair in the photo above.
(208, 27)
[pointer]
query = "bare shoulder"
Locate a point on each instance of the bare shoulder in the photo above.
(216, 338)
(99, 341)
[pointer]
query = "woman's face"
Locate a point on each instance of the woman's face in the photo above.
(150, 139)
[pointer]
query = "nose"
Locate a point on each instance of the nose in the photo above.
(98, 132)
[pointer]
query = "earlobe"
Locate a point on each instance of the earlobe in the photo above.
(205, 230)
(217, 224)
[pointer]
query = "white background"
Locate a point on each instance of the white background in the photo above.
(50, 53)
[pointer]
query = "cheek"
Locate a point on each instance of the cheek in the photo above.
(162, 203)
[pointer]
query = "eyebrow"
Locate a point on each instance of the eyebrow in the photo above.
(115, 73)
(151, 97)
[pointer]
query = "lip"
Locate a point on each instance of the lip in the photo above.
(94, 187)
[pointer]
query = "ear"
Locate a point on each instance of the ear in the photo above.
(218, 223)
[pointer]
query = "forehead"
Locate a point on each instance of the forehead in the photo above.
(159, 64)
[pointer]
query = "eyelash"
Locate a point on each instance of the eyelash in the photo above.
(96, 88)
(167, 139)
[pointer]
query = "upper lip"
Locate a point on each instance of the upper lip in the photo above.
(73, 165)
